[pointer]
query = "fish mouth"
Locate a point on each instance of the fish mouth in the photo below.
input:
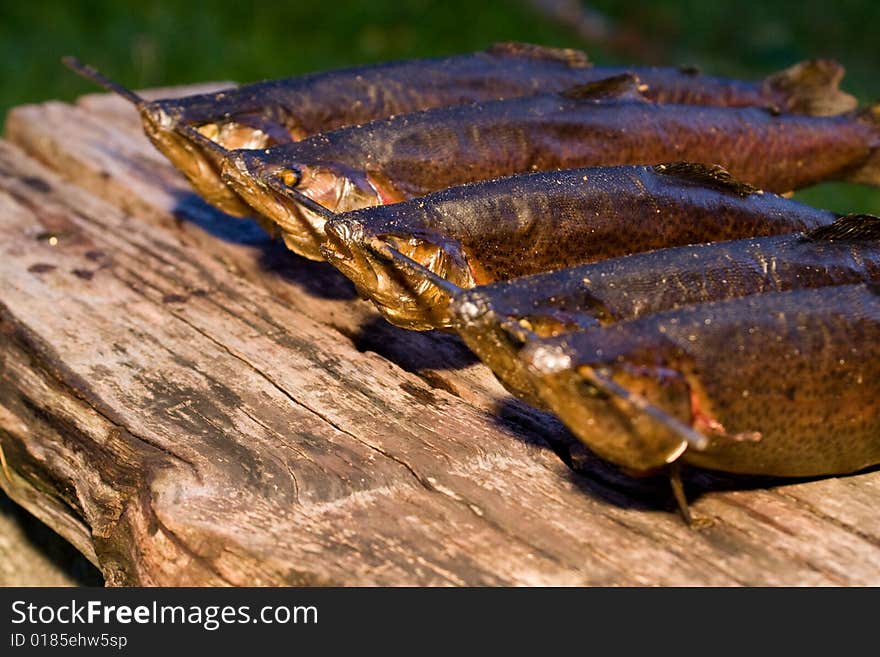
(248, 126)
(638, 418)
(233, 135)
(473, 308)
(201, 166)
(301, 229)
(404, 297)
(497, 340)
(300, 199)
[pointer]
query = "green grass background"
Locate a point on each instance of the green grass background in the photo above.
(158, 43)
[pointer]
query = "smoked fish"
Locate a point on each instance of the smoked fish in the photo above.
(280, 111)
(781, 383)
(525, 224)
(495, 321)
(610, 122)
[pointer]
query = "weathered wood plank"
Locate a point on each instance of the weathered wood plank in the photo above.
(121, 166)
(188, 404)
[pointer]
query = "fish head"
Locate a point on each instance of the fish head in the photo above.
(493, 334)
(628, 406)
(200, 164)
(479, 310)
(496, 338)
(405, 294)
(298, 195)
(497, 329)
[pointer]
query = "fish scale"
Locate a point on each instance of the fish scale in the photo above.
(781, 383)
(602, 124)
(280, 111)
(531, 223)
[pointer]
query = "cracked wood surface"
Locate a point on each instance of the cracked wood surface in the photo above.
(189, 404)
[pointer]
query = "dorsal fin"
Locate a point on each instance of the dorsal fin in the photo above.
(812, 87)
(849, 228)
(574, 58)
(706, 175)
(626, 86)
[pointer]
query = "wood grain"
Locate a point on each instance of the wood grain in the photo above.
(189, 404)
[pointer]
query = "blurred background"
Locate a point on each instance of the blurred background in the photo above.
(161, 43)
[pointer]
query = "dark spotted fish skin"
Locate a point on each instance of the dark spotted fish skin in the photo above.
(644, 283)
(309, 104)
(288, 110)
(415, 154)
(799, 369)
(255, 116)
(526, 224)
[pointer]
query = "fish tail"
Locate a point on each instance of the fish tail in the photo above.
(812, 87)
(868, 173)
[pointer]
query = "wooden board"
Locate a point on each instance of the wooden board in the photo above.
(190, 404)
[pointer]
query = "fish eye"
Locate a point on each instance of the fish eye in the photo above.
(513, 330)
(590, 391)
(289, 177)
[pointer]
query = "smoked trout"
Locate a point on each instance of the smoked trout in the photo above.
(781, 383)
(496, 321)
(520, 225)
(280, 111)
(605, 123)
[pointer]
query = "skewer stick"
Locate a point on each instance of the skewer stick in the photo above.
(91, 73)
(384, 249)
(296, 196)
(694, 438)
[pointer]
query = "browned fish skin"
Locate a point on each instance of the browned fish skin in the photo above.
(784, 384)
(809, 87)
(521, 225)
(317, 102)
(412, 155)
(280, 111)
(578, 298)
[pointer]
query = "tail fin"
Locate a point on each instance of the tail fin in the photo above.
(849, 228)
(98, 78)
(811, 87)
(868, 173)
